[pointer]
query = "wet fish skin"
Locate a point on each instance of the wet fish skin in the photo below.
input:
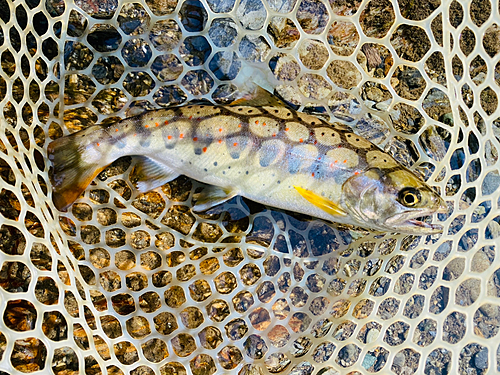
(270, 154)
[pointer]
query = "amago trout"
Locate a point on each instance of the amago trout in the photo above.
(268, 153)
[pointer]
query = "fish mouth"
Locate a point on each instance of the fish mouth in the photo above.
(412, 225)
(415, 226)
(412, 222)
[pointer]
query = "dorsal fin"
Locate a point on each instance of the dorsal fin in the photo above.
(259, 97)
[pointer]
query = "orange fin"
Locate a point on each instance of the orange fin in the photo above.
(323, 203)
(151, 174)
(70, 174)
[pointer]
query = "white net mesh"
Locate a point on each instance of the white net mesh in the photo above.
(138, 284)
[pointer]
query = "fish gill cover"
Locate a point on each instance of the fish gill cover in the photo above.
(129, 283)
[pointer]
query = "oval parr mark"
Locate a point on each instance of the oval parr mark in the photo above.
(236, 146)
(342, 158)
(174, 132)
(357, 141)
(296, 132)
(280, 112)
(380, 159)
(301, 157)
(263, 126)
(309, 119)
(271, 152)
(220, 126)
(327, 136)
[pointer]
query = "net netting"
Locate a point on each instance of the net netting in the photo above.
(129, 283)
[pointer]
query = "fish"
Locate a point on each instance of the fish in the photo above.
(259, 148)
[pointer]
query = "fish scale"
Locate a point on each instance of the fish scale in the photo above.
(256, 126)
(270, 142)
(270, 154)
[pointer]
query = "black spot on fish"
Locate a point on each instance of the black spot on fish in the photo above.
(215, 163)
(206, 170)
(246, 172)
(197, 151)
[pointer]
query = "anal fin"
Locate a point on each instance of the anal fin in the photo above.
(320, 202)
(150, 174)
(212, 196)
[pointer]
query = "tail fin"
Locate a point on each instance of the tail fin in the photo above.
(72, 171)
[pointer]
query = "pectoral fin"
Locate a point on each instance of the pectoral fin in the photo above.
(212, 196)
(149, 174)
(323, 203)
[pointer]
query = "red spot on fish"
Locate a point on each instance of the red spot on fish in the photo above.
(301, 140)
(287, 129)
(315, 142)
(220, 130)
(156, 124)
(116, 130)
(166, 122)
(263, 124)
(336, 161)
(146, 126)
(356, 173)
(331, 165)
(220, 140)
(204, 149)
(345, 161)
(169, 137)
(98, 145)
(195, 139)
(190, 117)
(312, 174)
(274, 135)
(235, 144)
(181, 136)
(239, 125)
(135, 135)
(257, 122)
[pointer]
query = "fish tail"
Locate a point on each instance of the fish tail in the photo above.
(74, 164)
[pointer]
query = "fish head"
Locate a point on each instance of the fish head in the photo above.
(392, 200)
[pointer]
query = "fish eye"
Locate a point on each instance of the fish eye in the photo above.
(409, 197)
